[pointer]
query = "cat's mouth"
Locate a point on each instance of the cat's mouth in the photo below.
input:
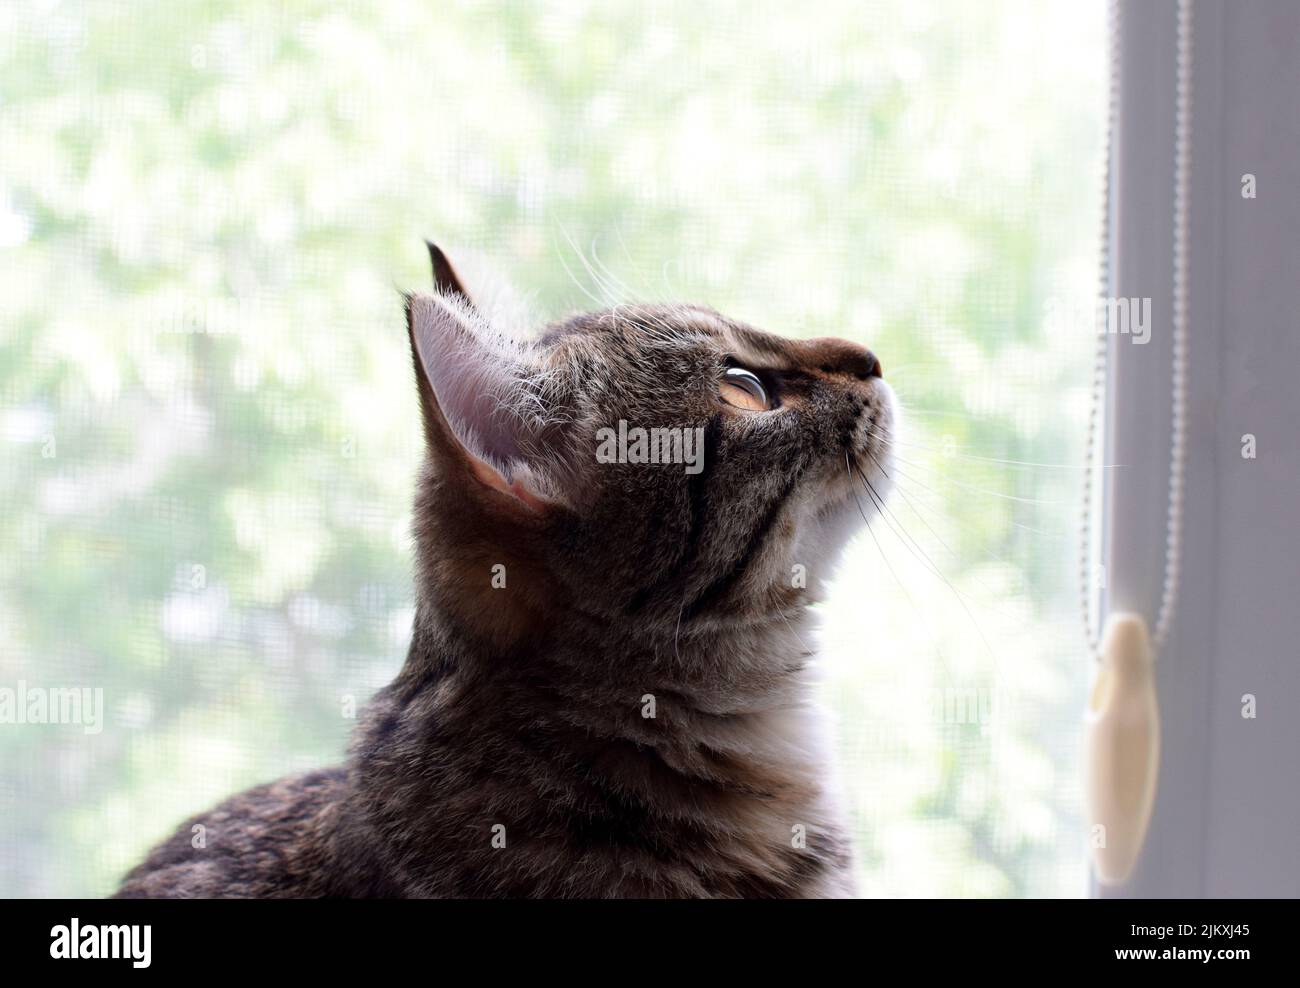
(879, 425)
(869, 454)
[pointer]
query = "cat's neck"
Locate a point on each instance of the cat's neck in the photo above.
(556, 740)
(738, 668)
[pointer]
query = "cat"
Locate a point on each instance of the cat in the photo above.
(607, 690)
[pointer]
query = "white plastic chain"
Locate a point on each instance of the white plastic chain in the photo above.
(1178, 380)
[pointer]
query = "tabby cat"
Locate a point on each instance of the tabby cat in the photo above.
(607, 691)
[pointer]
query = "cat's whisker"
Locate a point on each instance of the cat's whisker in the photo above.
(967, 487)
(952, 552)
(1040, 533)
(931, 500)
(914, 411)
(609, 287)
(896, 370)
(670, 291)
(625, 290)
(988, 459)
(925, 559)
(600, 302)
(618, 232)
(879, 548)
(645, 287)
(934, 502)
(901, 532)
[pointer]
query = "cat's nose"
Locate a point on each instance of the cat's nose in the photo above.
(836, 356)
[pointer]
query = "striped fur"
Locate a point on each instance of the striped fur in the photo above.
(513, 754)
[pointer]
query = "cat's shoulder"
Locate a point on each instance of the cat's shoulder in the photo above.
(264, 842)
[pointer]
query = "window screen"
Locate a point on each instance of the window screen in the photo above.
(209, 426)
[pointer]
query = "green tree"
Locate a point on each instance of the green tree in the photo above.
(207, 211)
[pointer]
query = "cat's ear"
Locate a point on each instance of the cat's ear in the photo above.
(474, 399)
(445, 279)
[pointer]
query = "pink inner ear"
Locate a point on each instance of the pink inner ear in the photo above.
(515, 488)
(476, 375)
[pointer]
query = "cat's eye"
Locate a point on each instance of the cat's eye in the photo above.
(743, 389)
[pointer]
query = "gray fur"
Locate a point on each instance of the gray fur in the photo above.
(519, 712)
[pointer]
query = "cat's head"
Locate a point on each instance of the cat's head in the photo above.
(659, 468)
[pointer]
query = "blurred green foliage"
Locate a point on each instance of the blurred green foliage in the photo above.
(207, 211)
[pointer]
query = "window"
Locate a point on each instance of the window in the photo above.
(210, 429)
